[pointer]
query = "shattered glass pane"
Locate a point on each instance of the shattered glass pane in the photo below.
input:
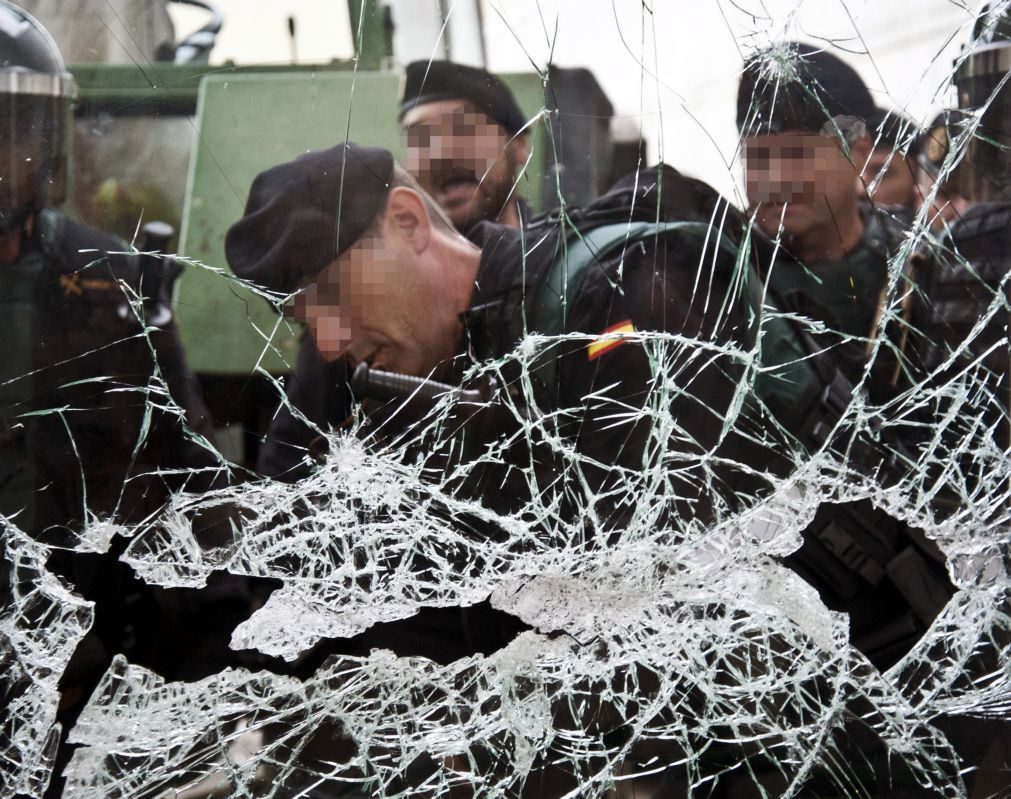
(727, 542)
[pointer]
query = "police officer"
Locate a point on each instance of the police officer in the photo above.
(957, 327)
(75, 355)
(889, 176)
(464, 142)
(982, 89)
(966, 273)
(849, 549)
(394, 287)
(805, 137)
(400, 290)
(91, 369)
(935, 175)
(963, 280)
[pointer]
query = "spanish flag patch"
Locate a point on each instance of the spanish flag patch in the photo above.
(613, 337)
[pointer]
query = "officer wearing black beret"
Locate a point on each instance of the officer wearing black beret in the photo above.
(413, 296)
(465, 141)
(803, 116)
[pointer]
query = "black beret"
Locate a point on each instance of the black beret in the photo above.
(431, 81)
(297, 220)
(798, 87)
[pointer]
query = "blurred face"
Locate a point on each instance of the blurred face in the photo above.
(803, 179)
(372, 305)
(897, 184)
(463, 159)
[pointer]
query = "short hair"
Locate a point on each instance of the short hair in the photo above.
(401, 178)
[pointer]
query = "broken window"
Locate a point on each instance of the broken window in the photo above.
(530, 581)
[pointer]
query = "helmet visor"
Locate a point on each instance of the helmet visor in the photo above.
(33, 141)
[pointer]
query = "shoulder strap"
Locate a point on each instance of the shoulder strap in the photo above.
(72, 246)
(50, 232)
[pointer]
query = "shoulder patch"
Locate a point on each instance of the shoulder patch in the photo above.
(75, 285)
(614, 336)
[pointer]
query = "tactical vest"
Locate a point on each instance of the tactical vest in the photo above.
(76, 418)
(961, 281)
(48, 290)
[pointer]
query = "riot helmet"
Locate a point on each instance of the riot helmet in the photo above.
(984, 87)
(36, 106)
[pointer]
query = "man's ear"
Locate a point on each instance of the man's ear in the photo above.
(518, 149)
(406, 218)
(863, 172)
(860, 152)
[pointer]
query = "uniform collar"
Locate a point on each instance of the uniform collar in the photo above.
(511, 259)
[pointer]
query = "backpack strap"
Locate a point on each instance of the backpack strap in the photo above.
(548, 312)
(801, 382)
